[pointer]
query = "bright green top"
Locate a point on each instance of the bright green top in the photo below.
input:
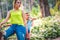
(16, 17)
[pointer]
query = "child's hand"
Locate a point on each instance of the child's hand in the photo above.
(34, 18)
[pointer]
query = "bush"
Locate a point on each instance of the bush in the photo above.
(49, 28)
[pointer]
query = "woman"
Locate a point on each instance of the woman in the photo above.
(17, 20)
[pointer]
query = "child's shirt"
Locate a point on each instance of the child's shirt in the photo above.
(29, 24)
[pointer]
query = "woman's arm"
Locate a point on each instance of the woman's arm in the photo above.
(6, 19)
(23, 15)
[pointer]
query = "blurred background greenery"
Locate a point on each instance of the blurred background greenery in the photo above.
(34, 7)
(47, 10)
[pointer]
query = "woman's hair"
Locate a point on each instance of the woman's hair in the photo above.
(14, 2)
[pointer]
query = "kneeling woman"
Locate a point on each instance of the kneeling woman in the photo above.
(17, 20)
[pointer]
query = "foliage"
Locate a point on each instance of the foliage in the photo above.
(54, 10)
(35, 10)
(6, 22)
(49, 28)
(1, 20)
(10, 4)
(51, 3)
(56, 6)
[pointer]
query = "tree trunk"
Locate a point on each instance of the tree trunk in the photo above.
(0, 13)
(0, 9)
(31, 4)
(44, 8)
(28, 4)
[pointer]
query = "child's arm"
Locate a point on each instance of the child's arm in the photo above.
(32, 19)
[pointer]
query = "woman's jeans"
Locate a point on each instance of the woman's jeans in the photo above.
(20, 31)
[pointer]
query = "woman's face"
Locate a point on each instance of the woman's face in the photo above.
(18, 4)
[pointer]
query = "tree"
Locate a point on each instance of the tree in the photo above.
(44, 8)
(51, 3)
(0, 10)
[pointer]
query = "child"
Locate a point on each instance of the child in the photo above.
(29, 22)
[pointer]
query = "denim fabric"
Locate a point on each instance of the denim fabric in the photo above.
(18, 29)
